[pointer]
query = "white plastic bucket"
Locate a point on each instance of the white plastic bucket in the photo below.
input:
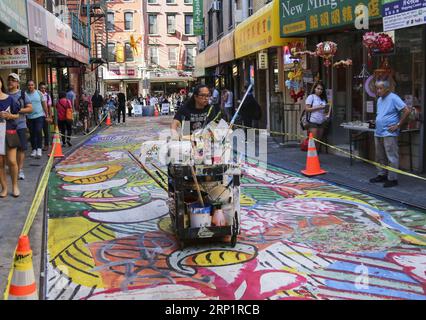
(200, 216)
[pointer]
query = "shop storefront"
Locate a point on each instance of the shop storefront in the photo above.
(350, 72)
(258, 47)
(169, 82)
(226, 60)
(200, 67)
(211, 65)
(124, 78)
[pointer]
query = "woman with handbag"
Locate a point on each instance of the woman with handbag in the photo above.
(9, 141)
(315, 107)
(65, 118)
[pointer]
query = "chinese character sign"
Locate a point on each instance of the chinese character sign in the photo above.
(302, 16)
(15, 57)
(198, 17)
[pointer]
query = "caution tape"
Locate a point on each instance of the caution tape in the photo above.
(33, 212)
(342, 151)
(94, 129)
(36, 205)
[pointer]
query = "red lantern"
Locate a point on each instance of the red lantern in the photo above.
(326, 50)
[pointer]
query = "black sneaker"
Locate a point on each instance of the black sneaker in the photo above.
(69, 144)
(379, 179)
(390, 183)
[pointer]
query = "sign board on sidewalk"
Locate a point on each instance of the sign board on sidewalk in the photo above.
(398, 14)
(165, 108)
(137, 109)
(15, 57)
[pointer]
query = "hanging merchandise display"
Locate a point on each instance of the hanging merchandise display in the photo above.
(369, 40)
(384, 43)
(295, 82)
(381, 43)
(343, 63)
(326, 50)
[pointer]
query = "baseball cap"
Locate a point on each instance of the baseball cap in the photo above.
(14, 76)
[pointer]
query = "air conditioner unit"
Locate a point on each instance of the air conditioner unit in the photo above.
(215, 6)
(239, 16)
(201, 45)
(172, 63)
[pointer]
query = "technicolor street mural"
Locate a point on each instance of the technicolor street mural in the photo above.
(109, 236)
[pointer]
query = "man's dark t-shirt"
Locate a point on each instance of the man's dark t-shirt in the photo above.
(121, 99)
(198, 117)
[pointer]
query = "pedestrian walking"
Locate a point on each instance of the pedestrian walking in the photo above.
(228, 104)
(83, 112)
(388, 124)
(71, 96)
(121, 107)
(20, 98)
(48, 117)
(215, 99)
(63, 106)
(315, 107)
(36, 119)
(97, 102)
(9, 141)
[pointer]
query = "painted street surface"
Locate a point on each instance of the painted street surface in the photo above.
(109, 235)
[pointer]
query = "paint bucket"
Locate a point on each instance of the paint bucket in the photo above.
(200, 216)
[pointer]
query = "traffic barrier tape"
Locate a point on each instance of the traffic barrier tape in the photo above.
(93, 130)
(342, 151)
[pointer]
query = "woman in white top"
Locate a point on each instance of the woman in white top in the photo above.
(316, 104)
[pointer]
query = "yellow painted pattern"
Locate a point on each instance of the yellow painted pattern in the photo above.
(97, 178)
(413, 240)
(111, 206)
(165, 225)
(63, 235)
(220, 258)
(331, 195)
(246, 201)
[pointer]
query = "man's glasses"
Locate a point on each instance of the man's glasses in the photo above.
(203, 95)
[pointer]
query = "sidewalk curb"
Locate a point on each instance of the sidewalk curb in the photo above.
(362, 190)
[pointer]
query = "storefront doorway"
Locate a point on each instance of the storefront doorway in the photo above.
(132, 90)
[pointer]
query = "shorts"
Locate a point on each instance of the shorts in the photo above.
(22, 135)
(317, 125)
(12, 140)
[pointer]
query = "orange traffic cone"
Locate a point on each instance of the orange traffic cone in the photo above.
(56, 147)
(108, 120)
(23, 286)
(313, 167)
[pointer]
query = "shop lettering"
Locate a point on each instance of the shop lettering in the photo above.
(289, 10)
